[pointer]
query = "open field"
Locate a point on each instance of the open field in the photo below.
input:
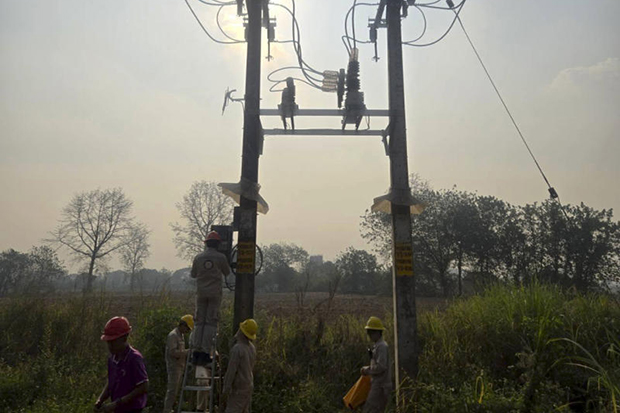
(512, 349)
(273, 304)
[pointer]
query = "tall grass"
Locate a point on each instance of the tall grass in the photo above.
(519, 349)
(526, 349)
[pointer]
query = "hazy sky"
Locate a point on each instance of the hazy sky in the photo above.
(98, 94)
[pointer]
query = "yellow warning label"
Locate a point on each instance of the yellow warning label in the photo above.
(403, 259)
(246, 253)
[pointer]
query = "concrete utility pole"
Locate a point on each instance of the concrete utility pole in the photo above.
(246, 246)
(403, 281)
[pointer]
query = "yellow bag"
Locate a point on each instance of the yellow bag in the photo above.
(358, 394)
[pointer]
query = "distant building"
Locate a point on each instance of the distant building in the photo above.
(316, 259)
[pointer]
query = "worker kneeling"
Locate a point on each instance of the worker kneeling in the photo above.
(208, 269)
(175, 359)
(239, 378)
(379, 369)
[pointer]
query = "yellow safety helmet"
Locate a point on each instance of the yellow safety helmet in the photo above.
(374, 323)
(249, 328)
(188, 319)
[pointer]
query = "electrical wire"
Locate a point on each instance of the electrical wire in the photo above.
(353, 23)
(305, 68)
(552, 191)
(296, 35)
(289, 68)
(298, 45)
(460, 8)
(204, 29)
(431, 6)
(424, 27)
(217, 3)
(277, 82)
(428, 4)
(219, 25)
(346, 36)
(358, 41)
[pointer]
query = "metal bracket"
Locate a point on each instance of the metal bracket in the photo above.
(323, 132)
(228, 98)
(381, 23)
(325, 112)
(386, 145)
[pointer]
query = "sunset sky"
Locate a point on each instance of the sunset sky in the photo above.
(100, 94)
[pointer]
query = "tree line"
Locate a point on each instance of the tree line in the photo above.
(462, 241)
(482, 239)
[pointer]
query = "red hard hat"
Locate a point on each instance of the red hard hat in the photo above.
(213, 235)
(116, 327)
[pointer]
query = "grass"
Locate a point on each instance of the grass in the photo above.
(511, 349)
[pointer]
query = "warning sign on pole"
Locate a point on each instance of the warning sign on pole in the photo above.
(246, 252)
(403, 257)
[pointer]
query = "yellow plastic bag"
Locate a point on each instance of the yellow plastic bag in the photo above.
(358, 394)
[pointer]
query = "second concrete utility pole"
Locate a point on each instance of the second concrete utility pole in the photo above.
(244, 282)
(403, 281)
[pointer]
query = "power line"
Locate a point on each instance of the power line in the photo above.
(204, 29)
(459, 7)
(431, 6)
(219, 25)
(296, 41)
(346, 38)
(552, 191)
(424, 27)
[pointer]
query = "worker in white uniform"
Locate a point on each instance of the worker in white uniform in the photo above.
(208, 268)
(239, 378)
(379, 369)
(175, 359)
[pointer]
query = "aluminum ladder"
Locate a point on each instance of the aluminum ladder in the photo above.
(210, 387)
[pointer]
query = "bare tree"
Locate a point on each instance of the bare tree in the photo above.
(203, 205)
(94, 225)
(135, 252)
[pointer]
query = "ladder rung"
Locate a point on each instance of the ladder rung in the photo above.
(197, 388)
(191, 412)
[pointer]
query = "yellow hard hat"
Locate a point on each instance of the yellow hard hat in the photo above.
(249, 328)
(188, 319)
(374, 323)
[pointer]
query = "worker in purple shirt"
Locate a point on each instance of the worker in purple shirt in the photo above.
(127, 384)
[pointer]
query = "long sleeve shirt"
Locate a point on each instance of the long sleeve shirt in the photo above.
(208, 269)
(380, 365)
(239, 375)
(175, 349)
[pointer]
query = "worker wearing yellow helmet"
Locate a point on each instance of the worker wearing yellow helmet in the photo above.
(175, 359)
(239, 378)
(378, 370)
